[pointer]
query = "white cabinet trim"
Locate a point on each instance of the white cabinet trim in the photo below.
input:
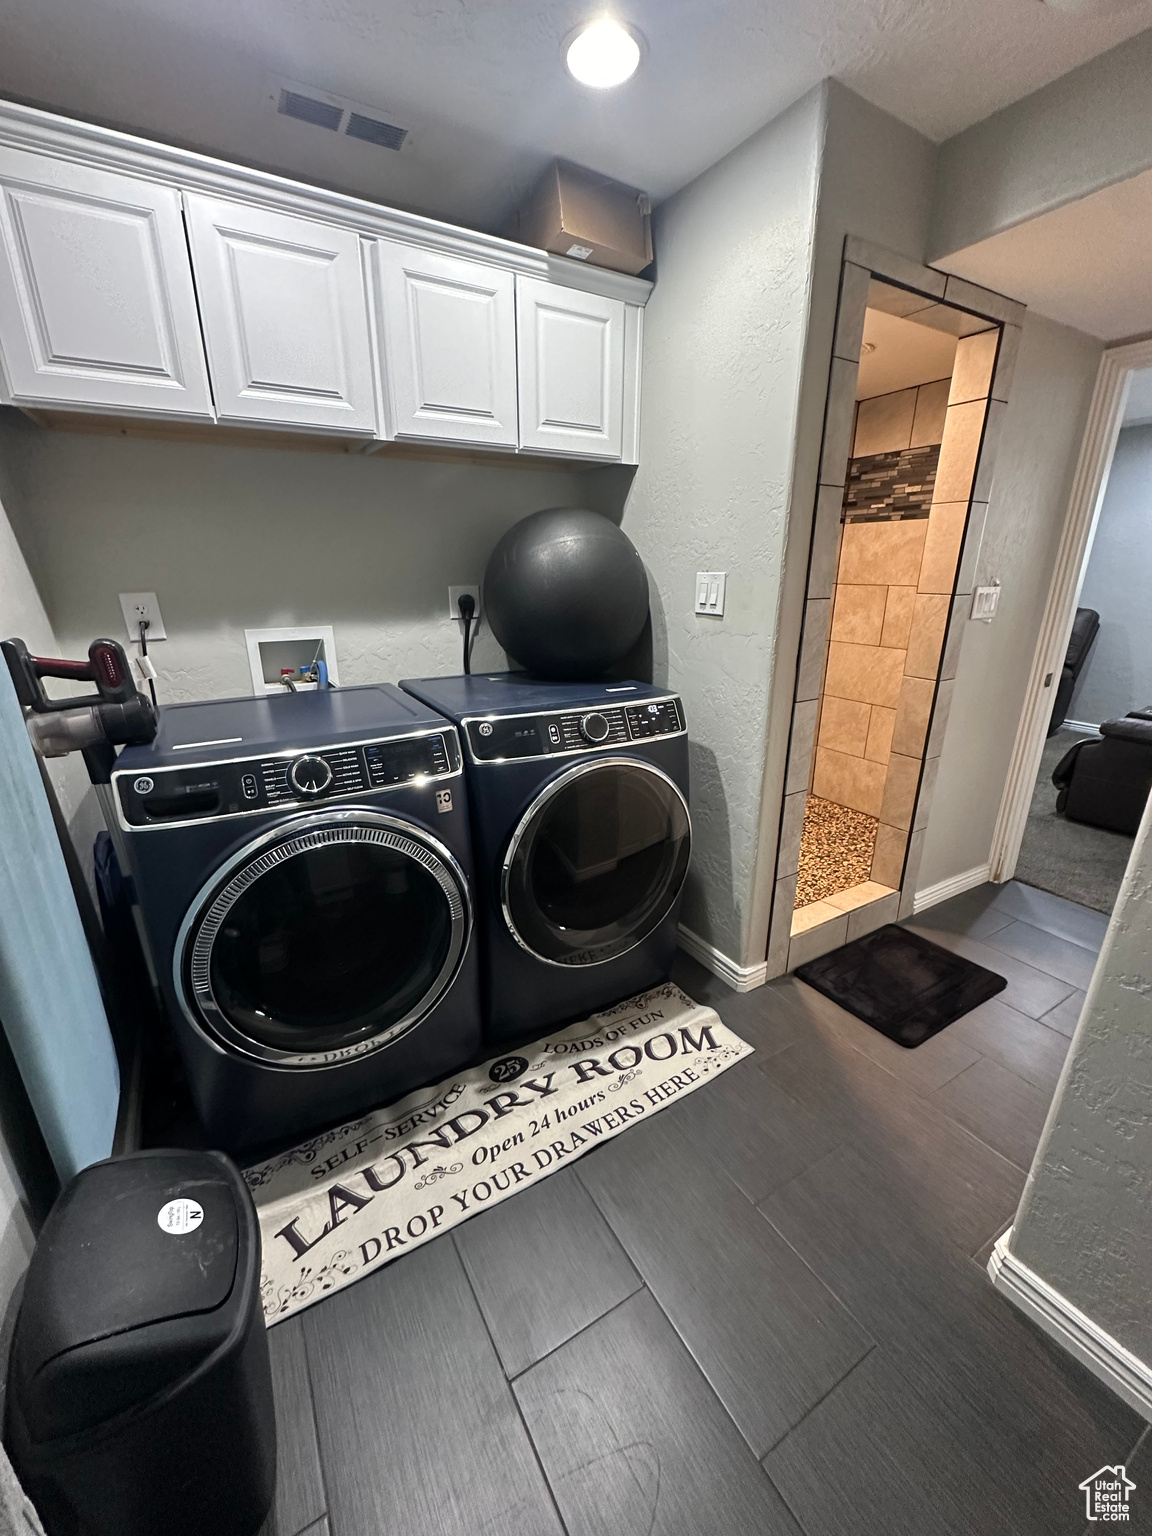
(408, 351)
(158, 311)
(219, 231)
(48, 133)
(543, 371)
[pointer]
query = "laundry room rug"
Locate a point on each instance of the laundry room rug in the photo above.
(349, 1201)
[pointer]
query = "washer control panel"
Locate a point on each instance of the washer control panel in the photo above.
(167, 795)
(497, 738)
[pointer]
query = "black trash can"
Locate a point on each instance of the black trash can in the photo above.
(139, 1391)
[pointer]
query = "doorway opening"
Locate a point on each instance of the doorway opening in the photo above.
(1095, 765)
(915, 401)
(889, 610)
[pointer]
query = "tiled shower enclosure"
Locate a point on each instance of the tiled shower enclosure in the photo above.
(894, 560)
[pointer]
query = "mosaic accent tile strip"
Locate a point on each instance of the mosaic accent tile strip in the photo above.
(836, 849)
(888, 487)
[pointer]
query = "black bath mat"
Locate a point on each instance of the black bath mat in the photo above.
(905, 986)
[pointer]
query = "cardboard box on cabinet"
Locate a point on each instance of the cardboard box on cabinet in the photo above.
(588, 217)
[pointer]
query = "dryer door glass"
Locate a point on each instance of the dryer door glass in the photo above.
(329, 943)
(597, 863)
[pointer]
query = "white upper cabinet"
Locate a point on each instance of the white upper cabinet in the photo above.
(571, 353)
(285, 317)
(448, 345)
(97, 309)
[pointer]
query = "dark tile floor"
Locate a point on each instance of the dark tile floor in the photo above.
(763, 1311)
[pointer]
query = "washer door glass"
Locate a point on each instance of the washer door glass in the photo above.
(328, 942)
(597, 863)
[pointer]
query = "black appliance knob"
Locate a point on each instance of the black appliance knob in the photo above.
(595, 728)
(309, 776)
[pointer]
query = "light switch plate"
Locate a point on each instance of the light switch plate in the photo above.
(142, 605)
(985, 601)
(710, 592)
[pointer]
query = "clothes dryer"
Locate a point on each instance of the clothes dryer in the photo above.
(578, 795)
(302, 864)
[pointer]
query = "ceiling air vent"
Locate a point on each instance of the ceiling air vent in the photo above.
(387, 135)
(350, 119)
(321, 113)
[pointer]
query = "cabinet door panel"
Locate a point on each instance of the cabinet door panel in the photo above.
(97, 307)
(449, 345)
(571, 355)
(285, 317)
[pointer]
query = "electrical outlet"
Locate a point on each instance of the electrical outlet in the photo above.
(454, 595)
(136, 606)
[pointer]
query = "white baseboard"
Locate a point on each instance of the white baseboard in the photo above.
(741, 978)
(1128, 1376)
(933, 895)
(1081, 725)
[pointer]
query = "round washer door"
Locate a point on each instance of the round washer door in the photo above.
(326, 939)
(597, 862)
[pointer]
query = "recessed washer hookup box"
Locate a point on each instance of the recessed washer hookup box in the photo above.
(578, 213)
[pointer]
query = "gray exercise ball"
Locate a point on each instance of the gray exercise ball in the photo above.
(566, 593)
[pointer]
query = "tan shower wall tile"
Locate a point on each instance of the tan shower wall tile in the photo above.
(880, 728)
(850, 781)
(931, 409)
(884, 423)
(868, 673)
(844, 725)
(811, 916)
(858, 895)
(888, 858)
(858, 616)
(926, 641)
(942, 546)
(972, 370)
(911, 725)
(882, 554)
(900, 783)
(898, 616)
(957, 468)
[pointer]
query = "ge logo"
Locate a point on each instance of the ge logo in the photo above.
(485, 729)
(144, 786)
(508, 1069)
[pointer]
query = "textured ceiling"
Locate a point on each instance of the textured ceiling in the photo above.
(1086, 264)
(481, 83)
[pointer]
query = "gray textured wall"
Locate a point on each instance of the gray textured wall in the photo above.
(1088, 129)
(723, 345)
(1085, 1220)
(230, 537)
(1039, 445)
(738, 338)
(1118, 675)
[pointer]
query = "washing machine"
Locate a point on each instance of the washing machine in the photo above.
(578, 795)
(302, 866)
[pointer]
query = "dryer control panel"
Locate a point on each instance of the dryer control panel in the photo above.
(498, 737)
(164, 796)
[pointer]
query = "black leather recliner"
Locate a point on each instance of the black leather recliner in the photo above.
(1106, 783)
(1085, 628)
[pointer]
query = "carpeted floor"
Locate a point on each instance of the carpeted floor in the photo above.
(1085, 864)
(836, 850)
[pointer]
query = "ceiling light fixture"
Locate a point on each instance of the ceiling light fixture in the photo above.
(603, 54)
